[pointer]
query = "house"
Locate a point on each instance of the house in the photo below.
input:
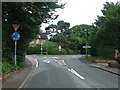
(41, 38)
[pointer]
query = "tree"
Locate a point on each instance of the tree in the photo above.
(76, 39)
(29, 15)
(108, 33)
(79, 32)
(63, 26)
(52, 26)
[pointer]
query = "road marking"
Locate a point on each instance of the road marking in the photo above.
(61, 62)
(46, 61)
(21, 86)
(64, 62)
(77, 74)
(57, 62)
(53, 57)
(36, 62)
(45, 57)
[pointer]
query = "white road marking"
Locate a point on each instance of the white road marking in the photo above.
(46, 61)
(23, 83)
(59, 62)
(53, 57)
(44, 57)
(64, 62)
(36, 62)
(77, 74)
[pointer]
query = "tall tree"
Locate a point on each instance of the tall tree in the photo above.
(29, 15)
(63, 26)
(53, 27)
(108, 35)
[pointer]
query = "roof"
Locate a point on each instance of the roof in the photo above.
(43, 36)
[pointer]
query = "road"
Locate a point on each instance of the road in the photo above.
(68, 72)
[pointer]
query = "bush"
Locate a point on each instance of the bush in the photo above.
(105, 52)
(0, 68)
(7, 68)
(63, 51)
(34, 50)
(53, 51)
(69, 51)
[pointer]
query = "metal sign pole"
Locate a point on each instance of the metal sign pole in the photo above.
(41, 48)
(86, 52)
(15, 52)
(15, 37)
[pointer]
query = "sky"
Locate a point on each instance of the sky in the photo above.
(78, 12)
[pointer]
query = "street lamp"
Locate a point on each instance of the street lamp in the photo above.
(86, 42)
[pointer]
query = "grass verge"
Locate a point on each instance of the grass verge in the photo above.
(91, 58)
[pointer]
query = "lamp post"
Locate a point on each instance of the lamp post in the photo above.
(86, 42)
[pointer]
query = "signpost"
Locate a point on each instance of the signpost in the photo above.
(15, 36)
(86, 47)
(16, 26)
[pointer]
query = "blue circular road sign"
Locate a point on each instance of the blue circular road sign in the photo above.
(15, 36)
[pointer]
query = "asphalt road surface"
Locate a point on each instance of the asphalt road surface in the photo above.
(68, 72)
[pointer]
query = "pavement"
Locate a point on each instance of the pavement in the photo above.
(103, 66)
(17, 80)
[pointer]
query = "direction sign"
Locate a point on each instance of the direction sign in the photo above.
(15, 36)
(86, 46)
(16, 26)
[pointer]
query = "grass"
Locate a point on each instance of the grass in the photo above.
(53, 55)
(114, 63)
(91, 58)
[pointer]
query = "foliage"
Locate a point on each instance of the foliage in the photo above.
(61, 25)
(74, 41)
(50, 48)
(33, 50)
(0, 68)
(30, 15)
(52, 26)
(105, 52)
(7, 68)
(107, 38)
